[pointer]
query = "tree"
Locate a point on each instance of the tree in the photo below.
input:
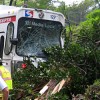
(62, 8)
(97, 2)
(89, 36)
(76, 13)
(2, 2)
(40, 4)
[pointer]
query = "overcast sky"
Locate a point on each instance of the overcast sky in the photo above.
(68, 2)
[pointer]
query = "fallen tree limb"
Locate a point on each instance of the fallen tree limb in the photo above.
(51, 88)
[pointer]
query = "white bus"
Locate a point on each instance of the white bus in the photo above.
(25, 32)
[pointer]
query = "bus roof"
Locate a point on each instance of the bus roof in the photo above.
(4, 7)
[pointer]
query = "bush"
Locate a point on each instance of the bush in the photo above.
(93, 91)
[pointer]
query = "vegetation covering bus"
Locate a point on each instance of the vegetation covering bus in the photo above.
(25, 32)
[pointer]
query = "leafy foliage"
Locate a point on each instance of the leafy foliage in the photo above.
(31, 79)
(89, 36)
(93, 91)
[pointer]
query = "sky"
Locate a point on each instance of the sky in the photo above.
(70, 2)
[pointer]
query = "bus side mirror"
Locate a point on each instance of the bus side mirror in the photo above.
(1, 46)
(14, 41)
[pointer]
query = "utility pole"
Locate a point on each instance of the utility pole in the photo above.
(10, 3)
(25, 3)
(3, 2)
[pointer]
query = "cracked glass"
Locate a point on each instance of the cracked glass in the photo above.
(36, 34)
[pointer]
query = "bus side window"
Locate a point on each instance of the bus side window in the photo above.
(9, 35)
(1, 46)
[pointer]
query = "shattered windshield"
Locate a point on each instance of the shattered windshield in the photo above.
(35, 34)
